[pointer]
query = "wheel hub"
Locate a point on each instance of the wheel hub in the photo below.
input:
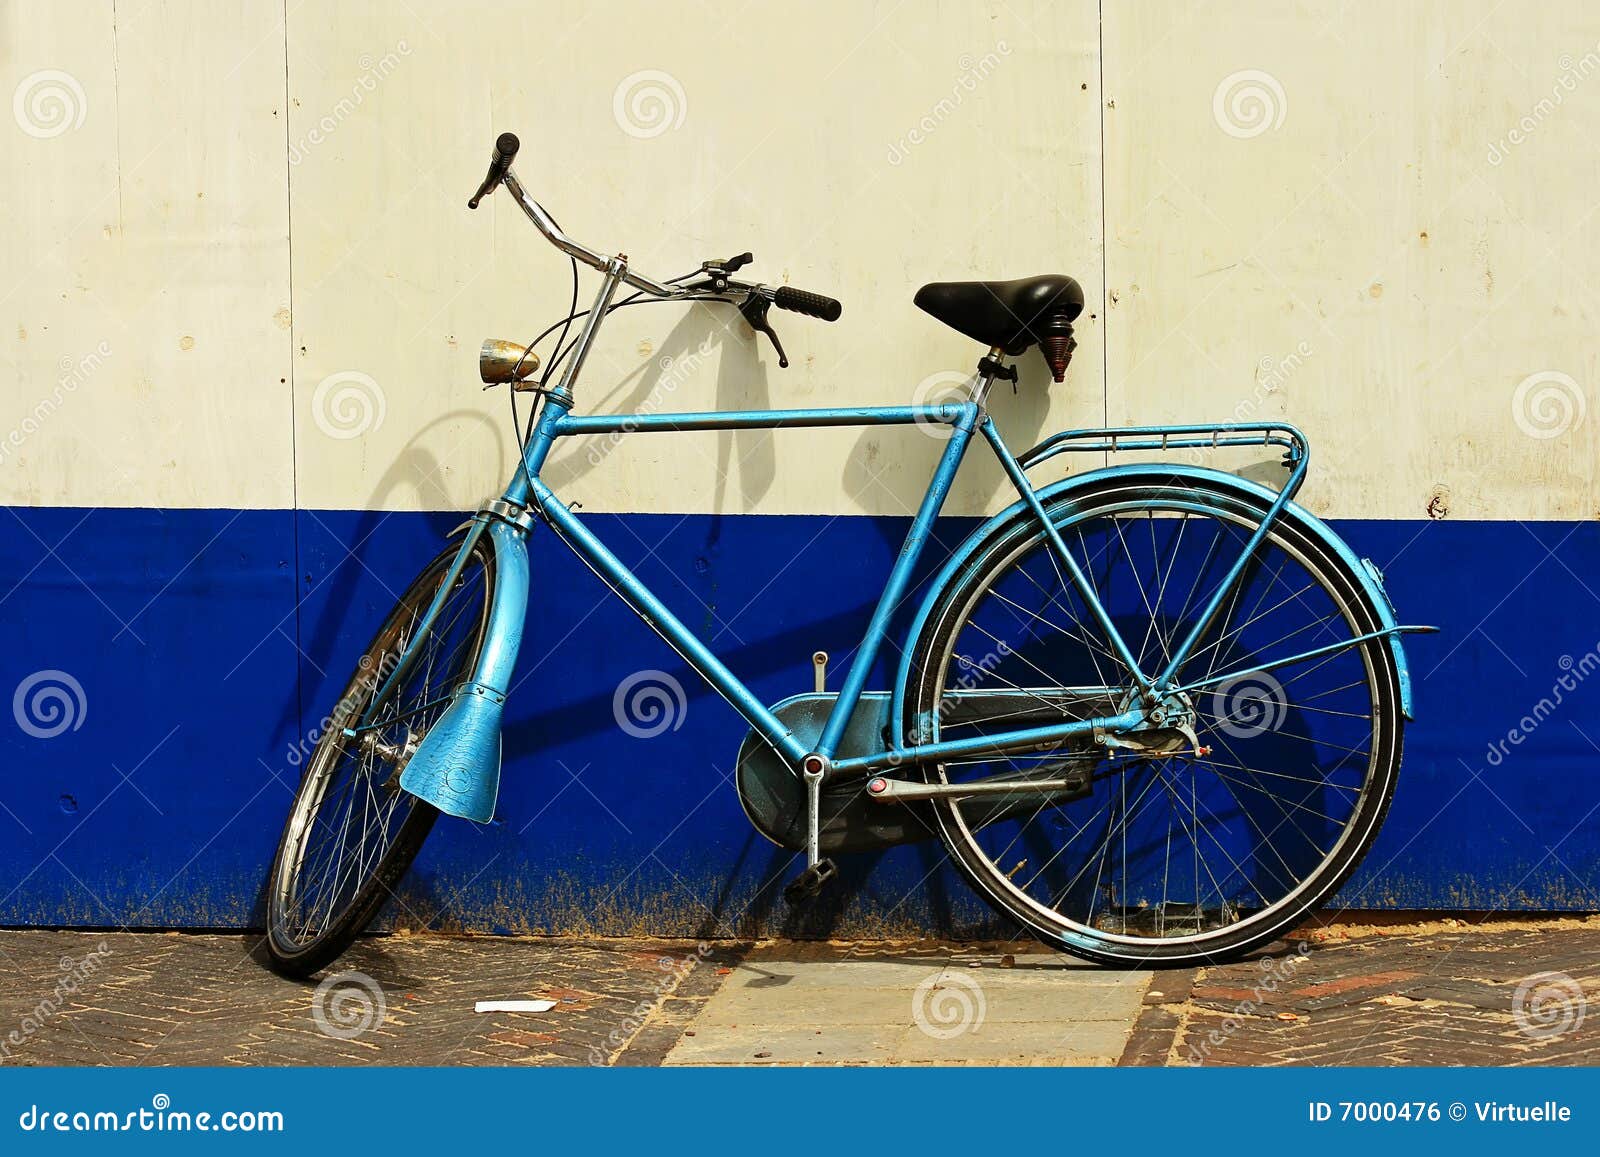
(395, 754)
(1168, 730)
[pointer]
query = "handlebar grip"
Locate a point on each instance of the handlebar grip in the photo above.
(810, 304)
(505, 151)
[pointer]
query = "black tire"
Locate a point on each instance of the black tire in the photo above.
(1005, 551)
(299, 942)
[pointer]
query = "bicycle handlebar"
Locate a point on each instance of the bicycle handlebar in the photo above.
(580, 252)
(500, 172)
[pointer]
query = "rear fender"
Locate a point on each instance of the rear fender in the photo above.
(967, 555)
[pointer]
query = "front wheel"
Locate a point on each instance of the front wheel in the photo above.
(352, 831)
(1203, 852)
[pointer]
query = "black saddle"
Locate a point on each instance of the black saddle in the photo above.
(1013, 315)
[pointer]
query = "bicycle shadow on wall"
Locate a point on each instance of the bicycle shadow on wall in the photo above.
(655, 386)
(888, 469)
(367, 561)
(663, 384)
(669, 381)
(886, 474)
(416, 474)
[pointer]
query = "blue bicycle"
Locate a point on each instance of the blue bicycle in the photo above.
(1154, 712)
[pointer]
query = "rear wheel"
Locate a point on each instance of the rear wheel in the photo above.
(352, 831)
(1183, 857)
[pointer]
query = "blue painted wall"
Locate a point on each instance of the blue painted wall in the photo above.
(205, 643)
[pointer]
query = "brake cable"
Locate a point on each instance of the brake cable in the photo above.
(516, 420)
(523, 432)
(639, 298)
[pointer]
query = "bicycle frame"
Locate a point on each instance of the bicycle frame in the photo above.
(457, 765)
(964, 419)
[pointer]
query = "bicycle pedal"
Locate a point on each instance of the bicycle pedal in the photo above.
(808, 883)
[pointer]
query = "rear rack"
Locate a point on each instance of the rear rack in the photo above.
(1296, 449)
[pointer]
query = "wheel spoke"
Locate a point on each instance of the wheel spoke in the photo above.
(349, 813)
(1265, 818)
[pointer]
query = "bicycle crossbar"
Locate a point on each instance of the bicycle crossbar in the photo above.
(944, 413)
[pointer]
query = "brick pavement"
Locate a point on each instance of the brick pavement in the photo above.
(1451, 995)
(168, 999)
(1440, 995)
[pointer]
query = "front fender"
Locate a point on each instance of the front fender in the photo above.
(456, 768)
(956, 567)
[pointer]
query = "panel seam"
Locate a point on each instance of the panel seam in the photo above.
(1105, 240)
(294, 458)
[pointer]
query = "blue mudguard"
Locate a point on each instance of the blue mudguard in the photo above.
(456, 768)
(1366, 573)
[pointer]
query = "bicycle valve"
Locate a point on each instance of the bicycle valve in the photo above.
(505, 361)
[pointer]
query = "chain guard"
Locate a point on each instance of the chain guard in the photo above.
(773, 794)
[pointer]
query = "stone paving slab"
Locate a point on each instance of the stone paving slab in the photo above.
(1095, 1043)
(853, 1006)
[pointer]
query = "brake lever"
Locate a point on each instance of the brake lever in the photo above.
(754, 308)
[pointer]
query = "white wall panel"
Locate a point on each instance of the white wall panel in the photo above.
(144, 308)
(1309, 220)
(1398, 260)
(790, 132)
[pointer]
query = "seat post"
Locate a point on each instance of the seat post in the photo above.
(991, 366)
